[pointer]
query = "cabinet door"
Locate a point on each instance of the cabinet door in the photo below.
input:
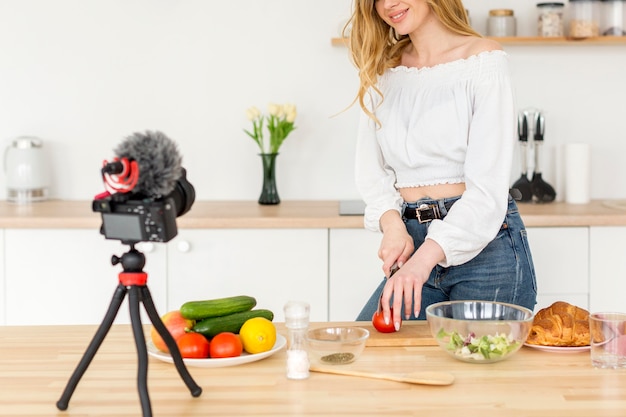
(56, 276)
(561, 257)
(272, 265)
(608, 269)
(355, 271)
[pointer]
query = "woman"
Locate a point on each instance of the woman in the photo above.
(433, 159)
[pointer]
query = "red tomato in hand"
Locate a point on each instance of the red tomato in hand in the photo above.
(378, 320)
(225, 345)
(193, 345)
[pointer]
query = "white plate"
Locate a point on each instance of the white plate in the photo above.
(559, 349)
(218, 362)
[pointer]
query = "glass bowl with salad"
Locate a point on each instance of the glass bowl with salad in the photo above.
(479, 331)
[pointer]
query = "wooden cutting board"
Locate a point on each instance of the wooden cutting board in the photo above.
(412, 333)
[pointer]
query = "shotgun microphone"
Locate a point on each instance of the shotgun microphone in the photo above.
(158, 162)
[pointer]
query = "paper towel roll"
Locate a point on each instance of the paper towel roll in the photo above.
(577, 173)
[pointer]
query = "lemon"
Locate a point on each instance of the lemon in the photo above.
(258, 335)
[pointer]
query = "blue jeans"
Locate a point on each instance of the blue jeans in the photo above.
(503, 271)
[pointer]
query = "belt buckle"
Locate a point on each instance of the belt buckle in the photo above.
(427, 212)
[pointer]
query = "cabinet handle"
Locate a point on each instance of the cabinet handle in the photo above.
(184, 246)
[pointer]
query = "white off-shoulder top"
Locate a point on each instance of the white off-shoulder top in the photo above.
(450, 123)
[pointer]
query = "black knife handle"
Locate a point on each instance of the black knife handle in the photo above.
(522, 127)
(539, 127)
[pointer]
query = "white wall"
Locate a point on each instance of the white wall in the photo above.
(83, 74)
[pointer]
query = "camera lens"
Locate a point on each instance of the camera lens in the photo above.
(183, 195)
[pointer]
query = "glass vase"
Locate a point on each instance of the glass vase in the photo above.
(269, 193)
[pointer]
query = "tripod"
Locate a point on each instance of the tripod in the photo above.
(132, 281)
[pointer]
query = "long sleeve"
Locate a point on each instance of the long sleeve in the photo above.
(374, 179)
(476, 218)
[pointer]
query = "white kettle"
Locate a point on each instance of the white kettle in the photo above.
(26, 170)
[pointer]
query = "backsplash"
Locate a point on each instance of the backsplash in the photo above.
(83, 75)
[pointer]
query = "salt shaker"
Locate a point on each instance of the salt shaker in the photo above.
(297, 323)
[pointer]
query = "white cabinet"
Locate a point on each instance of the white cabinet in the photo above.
(561, 257)
(354, 271)
(55, 276)
(608, 268)
(272, 265)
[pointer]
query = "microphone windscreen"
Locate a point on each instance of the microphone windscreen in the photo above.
(158, 161)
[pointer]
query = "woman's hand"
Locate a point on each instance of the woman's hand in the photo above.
(396, 246)
(406, 284)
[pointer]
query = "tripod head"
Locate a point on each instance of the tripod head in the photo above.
(132, 261)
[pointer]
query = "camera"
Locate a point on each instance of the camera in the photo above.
(134, 217)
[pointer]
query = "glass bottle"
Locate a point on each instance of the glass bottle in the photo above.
(297, 323)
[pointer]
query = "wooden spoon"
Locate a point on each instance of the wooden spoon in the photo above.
(421, 377)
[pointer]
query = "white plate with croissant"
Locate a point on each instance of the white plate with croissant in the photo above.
(561, 327)
(559, 349)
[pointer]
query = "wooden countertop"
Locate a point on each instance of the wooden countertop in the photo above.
(288, 214)
(36, 362)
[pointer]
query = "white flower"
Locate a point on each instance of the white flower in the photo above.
(279, 123)
(274, 109)
(290, 112)
(253, 113)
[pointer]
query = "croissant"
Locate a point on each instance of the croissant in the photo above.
(561, 324)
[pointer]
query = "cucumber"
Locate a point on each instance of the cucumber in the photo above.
(198, 310)
(230, 323)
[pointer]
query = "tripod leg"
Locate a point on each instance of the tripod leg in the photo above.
(194, 388)
(134, 298)
(105, 326)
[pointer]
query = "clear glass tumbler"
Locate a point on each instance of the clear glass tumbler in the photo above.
(608, 340)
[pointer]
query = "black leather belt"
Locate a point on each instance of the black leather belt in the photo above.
(426, 212)
(429, 212)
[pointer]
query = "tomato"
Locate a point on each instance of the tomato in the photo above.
(379, 322)
(225, 345)
(193, 345)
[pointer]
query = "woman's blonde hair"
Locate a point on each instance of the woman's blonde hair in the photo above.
(375, 47)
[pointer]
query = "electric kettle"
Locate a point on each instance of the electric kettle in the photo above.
(26, 170)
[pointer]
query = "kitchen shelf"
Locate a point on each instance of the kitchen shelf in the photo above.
(535, 40)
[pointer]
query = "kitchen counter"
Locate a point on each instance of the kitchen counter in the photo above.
(36, 363)
(59, 214)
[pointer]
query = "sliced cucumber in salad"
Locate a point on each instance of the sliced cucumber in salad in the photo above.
(479, 348)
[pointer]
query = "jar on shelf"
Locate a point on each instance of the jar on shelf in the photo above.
(501, 23)
(550, 19)
(584, 19)
(613, 21)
